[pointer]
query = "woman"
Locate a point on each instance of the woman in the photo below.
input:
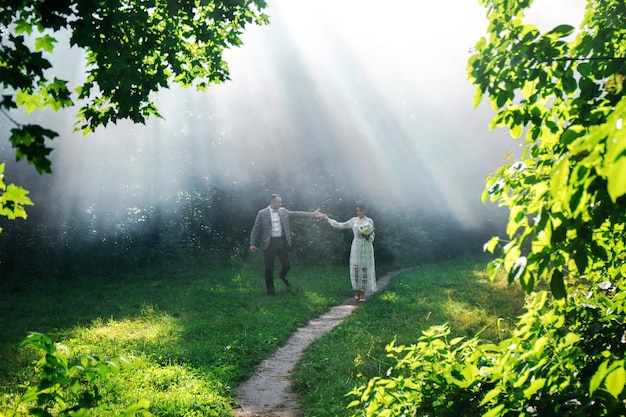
(362, 270)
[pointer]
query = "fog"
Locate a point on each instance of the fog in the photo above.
(367, 99)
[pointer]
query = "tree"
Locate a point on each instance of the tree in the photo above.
(133, 48)
(566, 193)
(562, 93)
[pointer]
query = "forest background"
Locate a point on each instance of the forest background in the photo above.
(207, 223)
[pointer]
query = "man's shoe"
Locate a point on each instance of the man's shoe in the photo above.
(287, 283)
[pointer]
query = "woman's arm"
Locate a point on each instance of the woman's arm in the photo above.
(337, 225)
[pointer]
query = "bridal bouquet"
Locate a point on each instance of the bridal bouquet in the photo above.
(366, 229)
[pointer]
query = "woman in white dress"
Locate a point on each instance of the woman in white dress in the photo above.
(362, 268)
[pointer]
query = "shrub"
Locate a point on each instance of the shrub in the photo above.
(63, 390)
(565, 357)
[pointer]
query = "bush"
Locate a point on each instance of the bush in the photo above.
(59, 389)
(563, 358)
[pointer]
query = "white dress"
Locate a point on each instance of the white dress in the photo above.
(362, 268)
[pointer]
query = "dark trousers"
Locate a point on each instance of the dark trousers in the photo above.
(277, 248)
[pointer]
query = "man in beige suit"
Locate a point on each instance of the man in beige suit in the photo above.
(271, 226)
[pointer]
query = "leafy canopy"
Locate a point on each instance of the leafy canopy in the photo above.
(132, 49)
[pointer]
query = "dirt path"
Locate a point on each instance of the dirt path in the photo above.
(268, 393)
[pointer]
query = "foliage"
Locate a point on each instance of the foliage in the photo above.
(132, 50)
(559, 360)
(200, 222)
(12, 199)
(563, 92)
(64, 390)
(566, 193)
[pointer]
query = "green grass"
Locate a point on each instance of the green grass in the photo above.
(200, 330)
(457, 292)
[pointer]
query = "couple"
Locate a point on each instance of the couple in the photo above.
(272, 228)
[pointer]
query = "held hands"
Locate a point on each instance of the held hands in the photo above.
(319, 215)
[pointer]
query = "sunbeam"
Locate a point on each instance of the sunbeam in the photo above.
(370, 97)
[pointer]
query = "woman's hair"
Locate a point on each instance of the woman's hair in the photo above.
(361, 205)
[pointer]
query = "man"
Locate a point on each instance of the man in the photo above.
(271, 226)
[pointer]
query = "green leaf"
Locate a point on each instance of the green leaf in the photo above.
(570, 339)
(492, 269)
(584, 69)
(490, 246)
(29, 142)
(569, 82)
(45, 42)
(495, 411)
(12, 202)
(478, 96)
(456, 341)
(22, 26)
(580, 259)
(615, 160)
(516, 131)
(17, 194)
(598, 377)
(353, 403)
(562, 30)
(598, 251)
(557, 286)
(30, 102)
(535, 386)
(558, 183)
(529, 89)
(615, 380)
(611, 376)
(616, 185)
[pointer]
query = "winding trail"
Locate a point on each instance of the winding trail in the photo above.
(268, 393)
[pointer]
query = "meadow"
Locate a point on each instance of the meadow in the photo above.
(198, 329)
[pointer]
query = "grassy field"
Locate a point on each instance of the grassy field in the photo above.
(200, 330)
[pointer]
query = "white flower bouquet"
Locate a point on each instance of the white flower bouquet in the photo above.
(366, 229)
